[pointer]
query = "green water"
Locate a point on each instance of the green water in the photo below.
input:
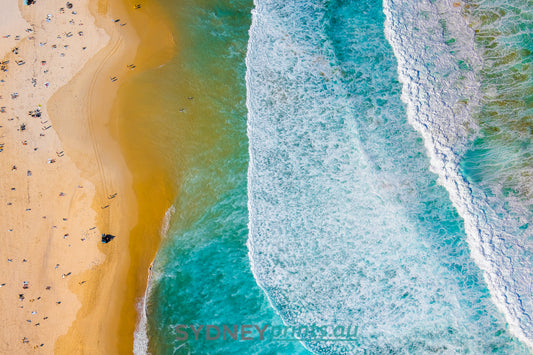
(501, 158)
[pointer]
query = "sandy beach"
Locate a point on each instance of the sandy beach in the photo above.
(64, 180)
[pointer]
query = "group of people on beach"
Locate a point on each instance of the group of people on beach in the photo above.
(30, 210)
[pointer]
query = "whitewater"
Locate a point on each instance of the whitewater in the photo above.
(350, 163)
(442, 88)
(354, 217)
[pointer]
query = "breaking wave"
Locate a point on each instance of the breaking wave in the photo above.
(347, 225)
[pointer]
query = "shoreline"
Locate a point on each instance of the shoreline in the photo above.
(117, 317)
(100, 159)
(83, 113)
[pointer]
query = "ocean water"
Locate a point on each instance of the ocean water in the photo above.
(201, 274)
(349, 164)
(347, 223)
(467, 84)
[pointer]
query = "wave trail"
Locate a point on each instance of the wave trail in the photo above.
(440, 69)
(346, 223)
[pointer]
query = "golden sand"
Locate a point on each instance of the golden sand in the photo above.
(80, 185)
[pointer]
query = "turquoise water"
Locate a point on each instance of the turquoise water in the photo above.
(347, 224)
(202, 274)
(467, 84)
(499, 161)
(350, 164)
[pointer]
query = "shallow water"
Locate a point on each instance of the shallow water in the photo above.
(201, 274)
(371, 192)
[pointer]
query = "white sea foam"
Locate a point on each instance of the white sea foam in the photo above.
(344, 225)
(140, 336)
(435, 87)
